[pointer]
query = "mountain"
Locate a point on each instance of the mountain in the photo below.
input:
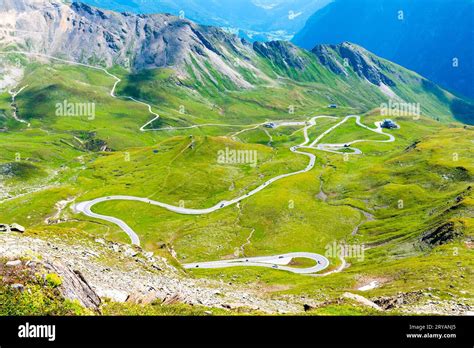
(252, 19)
(81, 89)
(150, 41)
(433, 38)
(215, 57)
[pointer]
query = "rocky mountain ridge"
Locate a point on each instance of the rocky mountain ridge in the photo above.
(361, 61)
(433, 38)
(137, 41)
(155, 41)
(84, 273)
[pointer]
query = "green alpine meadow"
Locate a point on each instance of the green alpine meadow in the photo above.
(153, 166)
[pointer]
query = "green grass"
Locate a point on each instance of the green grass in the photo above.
(429, 168)
(36, 301)
(156, 309)
(38, 297)
(350, 131)
(300, 262)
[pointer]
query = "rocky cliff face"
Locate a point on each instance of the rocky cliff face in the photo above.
(136, 276)
(281, 53)
(90, 35)
(364, 64)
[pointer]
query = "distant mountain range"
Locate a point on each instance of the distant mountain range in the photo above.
(253, 19)
(434, 38)
(343, 73)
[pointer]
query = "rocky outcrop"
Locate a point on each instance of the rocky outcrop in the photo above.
(99, 269)
(13, 263)
(424, 302)
(329, 59)
(70, 284)
(396, 301)
(363, 64)
(441, 234)
(445, 224)
(5, 228)
(56, 28)
(339, 57)
(282, 54)
(362, 300)
(74, 286)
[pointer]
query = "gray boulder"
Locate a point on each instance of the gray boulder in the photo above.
(13, 263)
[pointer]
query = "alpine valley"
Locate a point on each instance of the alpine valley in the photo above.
(345, 189)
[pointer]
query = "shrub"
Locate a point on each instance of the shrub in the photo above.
(53, 280)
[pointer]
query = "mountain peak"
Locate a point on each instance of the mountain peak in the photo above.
(434, 38)
(346, 54)
(202, 55)
(132, 40)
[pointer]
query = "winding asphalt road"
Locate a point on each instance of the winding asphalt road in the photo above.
(86, 207)
(267, 261)
(278, 262)
(112, 91)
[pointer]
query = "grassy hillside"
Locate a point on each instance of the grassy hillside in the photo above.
(409, 202)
